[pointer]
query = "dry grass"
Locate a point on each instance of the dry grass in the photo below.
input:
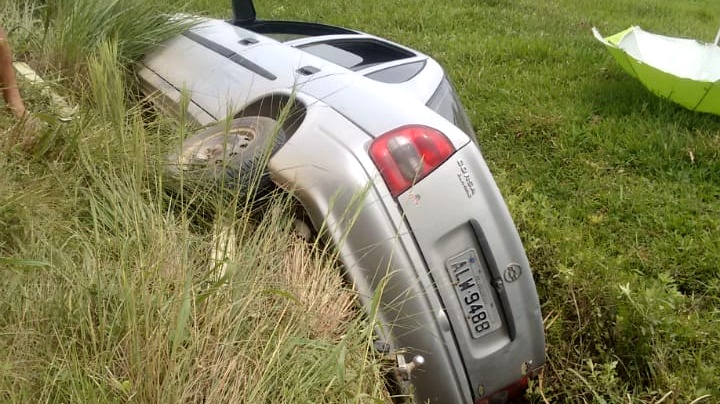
(111, 288)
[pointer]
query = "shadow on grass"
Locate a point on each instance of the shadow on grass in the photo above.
(615, 94)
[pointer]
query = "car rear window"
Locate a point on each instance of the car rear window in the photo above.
(446, 102)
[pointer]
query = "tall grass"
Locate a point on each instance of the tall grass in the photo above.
(111, 290)
(74, 29)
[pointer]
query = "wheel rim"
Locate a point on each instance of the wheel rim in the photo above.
(216, 150)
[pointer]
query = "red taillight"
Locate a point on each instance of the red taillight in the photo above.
(407, 154)
(501, 397)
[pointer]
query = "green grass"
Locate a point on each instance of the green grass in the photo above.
(110, 291)
(108, 294)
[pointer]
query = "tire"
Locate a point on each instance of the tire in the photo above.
(227, 157)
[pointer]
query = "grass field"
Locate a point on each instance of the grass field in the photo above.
(108, 294)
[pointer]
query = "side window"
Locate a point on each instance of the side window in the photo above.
(334, 54)
(398, 74)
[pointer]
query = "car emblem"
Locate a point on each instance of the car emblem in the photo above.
(512, 273)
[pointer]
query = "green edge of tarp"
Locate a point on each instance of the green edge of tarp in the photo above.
(616, 38)
(695, 95)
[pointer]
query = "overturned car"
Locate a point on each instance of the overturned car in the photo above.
(371, 139)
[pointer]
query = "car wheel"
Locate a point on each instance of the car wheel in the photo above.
(228, 156)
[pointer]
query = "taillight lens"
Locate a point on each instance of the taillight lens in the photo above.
(408, 154)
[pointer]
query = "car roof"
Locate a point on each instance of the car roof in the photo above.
(232, 66)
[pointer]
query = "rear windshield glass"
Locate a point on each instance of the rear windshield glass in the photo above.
(446, 102)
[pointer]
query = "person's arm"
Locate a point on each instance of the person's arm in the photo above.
(8, 83)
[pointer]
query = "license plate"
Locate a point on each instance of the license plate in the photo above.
(473, 293)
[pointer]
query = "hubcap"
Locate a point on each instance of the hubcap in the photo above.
(217, 149)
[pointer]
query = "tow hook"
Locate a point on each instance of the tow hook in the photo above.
(404, 369)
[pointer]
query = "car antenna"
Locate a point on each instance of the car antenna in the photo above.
(243, 12)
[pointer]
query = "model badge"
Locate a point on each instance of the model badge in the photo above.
(465, 179)
(512, 273)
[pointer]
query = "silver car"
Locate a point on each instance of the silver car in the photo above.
(371, 139)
